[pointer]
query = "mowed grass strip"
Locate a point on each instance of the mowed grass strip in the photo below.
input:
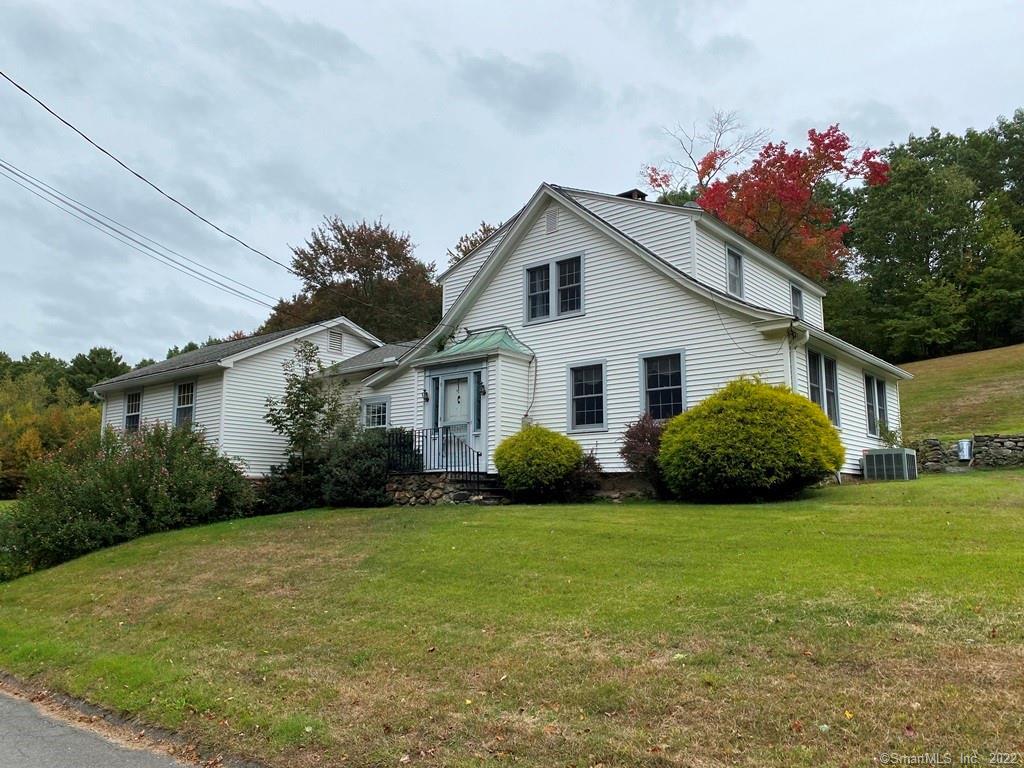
(863, 619)
(961, 395)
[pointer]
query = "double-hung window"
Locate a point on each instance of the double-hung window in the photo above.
(538, 292)
(132, 411)
(586, 397)
(823, 383)
(184, 403)
(554, 289)
(375, 413)
(734, 261)
(874, 400)
(797, 297)
(663, 385)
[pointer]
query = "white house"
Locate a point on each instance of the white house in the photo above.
(223, 388)
(587, 309)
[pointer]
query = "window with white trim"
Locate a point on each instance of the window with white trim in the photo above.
(875, 402)
(554, 289)
(132, 411)
(734, 261)
(797, 299)
(184, 403)
(823, 383)
(663, 385)
(586, 397)
(375, 413)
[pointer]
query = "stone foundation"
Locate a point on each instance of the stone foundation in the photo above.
(428, 489)
(989, 451)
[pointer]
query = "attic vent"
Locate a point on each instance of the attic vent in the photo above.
(552, 220)
(334, 341)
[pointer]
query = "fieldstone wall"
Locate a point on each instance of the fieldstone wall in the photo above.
(989, 451)
(428, 489)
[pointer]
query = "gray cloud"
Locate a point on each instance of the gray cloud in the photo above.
(267, 116)
(530, 95)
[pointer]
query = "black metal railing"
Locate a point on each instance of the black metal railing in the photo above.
(441, 449)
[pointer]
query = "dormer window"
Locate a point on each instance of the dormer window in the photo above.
(734, 262)
(554, 289)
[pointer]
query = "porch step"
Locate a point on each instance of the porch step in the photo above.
(484, 489)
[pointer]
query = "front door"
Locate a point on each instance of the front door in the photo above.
(455, 402)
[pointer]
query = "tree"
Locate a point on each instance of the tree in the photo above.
(310, 408)
(366, 272)
(774, 205)
(144, 362)
(98, 364)
(707, 151)
(470, 242)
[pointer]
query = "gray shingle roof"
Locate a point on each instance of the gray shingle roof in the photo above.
(202, 356)
(377, 357)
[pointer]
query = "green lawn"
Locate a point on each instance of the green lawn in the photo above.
(960, 395)
(868, 618)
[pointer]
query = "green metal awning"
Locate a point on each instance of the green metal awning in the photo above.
(499, 341)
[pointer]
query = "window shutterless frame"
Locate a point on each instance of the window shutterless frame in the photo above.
(664, 391)
(823, 383)
(554, 288)
(587, 394)
(797, 301)
(376, 412)
(734, 270)
(132, 411)
(184, 402)
(875, 404)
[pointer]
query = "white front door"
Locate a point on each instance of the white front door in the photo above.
(455, 402)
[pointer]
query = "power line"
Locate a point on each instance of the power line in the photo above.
(138, 175)
(79, 205)
(84, 213)
(190, 210)
(110, 232)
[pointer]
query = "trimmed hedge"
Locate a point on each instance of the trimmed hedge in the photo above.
(750, 441)
(537, 464)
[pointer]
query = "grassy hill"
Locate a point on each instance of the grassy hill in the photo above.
(804, 633)
(960, 395)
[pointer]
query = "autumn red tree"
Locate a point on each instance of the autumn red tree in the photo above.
(774, 204)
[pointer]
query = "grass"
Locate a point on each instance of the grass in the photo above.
(961, 395)
(863, 619)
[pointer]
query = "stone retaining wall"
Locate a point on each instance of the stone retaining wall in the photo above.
(427, 489)
(989, 451)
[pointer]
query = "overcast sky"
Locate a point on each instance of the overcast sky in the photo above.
(431, 116)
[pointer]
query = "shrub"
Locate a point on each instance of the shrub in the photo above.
(355, 470)
(749, 442)
(640, 445)
(538, 464)
(105, 489)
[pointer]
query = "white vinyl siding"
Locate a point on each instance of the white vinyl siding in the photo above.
(456, 281)
(664, 231)
(613, 330)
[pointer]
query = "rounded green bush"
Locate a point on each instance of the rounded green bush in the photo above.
(750, 441)
(536, 463)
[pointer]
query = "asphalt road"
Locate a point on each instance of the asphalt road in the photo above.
(29, 739)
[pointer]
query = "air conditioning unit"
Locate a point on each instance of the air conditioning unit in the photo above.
(889, 464)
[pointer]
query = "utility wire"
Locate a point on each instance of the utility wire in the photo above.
(186, 207)
(138, 175)
(84, 213)
(79, 205)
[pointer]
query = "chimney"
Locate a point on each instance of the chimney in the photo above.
(633, 194)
